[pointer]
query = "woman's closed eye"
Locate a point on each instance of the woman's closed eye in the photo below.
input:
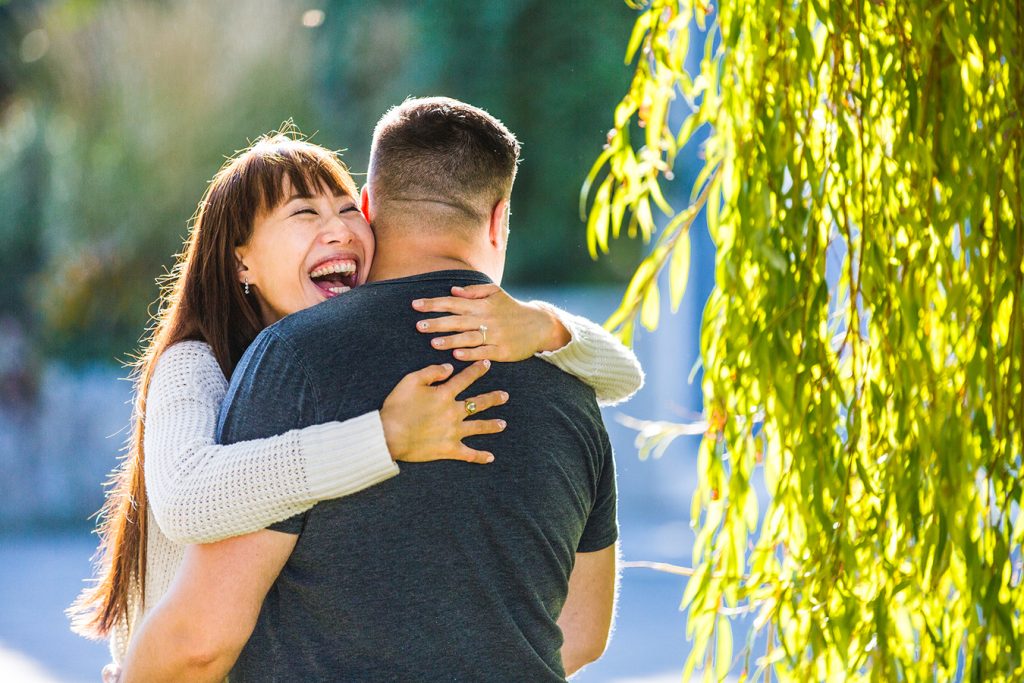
(348, 209)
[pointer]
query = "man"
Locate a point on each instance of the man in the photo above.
(447, 572)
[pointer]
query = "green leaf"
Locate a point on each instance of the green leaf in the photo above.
(679, 270)
(626, 108)
(751, 508)
(723, 649)
(644, 218)
(702, 177)
(598, 223)
(823, 13)
(694, 585)
(660, 96)
(685, 133)
(602, 159)
(620, 202)
(651, 310)
(640, 28)
(641, 278)
(659, 198)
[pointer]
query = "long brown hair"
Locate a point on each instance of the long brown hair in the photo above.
(201, 299)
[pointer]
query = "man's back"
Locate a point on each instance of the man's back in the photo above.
(449, 571)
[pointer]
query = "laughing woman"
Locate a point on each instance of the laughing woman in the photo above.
(176, 486)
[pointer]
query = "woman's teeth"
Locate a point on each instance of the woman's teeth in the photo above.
(338, 290)
(340, 267)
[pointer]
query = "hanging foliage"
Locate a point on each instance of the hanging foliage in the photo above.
(863, 349)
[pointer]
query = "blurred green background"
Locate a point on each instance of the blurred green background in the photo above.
(113, 117)
(115, 114)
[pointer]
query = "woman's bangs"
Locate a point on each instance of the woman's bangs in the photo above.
(313, 170)
(258, 177)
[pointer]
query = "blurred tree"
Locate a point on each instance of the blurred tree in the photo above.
(863, 351)
(133, 106)
(544, 68)
(8, 54)
(23, 177)
(136, 105)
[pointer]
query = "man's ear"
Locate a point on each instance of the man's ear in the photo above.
(497, 231)
(364, 202)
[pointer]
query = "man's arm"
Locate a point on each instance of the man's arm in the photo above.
(198, 629)
(586, 619)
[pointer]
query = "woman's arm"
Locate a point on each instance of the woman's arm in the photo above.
(595, 356)
(513, 330)
(203, 492)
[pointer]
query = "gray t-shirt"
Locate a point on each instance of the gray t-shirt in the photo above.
(449, 571)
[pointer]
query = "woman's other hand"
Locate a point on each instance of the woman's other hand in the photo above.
(423, 421)
(489, 324)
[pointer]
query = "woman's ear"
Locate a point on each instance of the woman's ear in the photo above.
(241, 270)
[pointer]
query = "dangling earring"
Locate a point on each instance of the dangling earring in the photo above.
(247, 286)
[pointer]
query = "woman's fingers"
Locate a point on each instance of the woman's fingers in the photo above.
(424, 422)
(460, 382)
(450, 323)
(476, 291)
(432, 374)
(486, 401)
(462, 340)
(477, 427)
(471, 455)
(476, 353)
(442, 304)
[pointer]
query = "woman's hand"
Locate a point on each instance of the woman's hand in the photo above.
(489, 324)
(423, 421)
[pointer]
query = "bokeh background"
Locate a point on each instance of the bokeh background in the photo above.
(113, 116)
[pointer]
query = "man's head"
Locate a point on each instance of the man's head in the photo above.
(442, 169)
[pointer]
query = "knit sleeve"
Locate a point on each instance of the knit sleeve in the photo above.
(202, 492)
(596, 357)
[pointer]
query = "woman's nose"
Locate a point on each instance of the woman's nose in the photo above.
(336, 231)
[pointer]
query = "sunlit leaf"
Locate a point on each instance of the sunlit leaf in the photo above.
(651, 310)
(679, 270)
(862, 352)
(599, 215)
(723, 649)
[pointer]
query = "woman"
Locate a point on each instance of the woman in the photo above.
(237, 275)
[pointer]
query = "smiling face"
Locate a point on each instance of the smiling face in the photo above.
(306, 250)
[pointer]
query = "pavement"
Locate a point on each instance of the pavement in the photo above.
(40, 574)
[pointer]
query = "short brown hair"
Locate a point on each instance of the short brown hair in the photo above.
(442, 151)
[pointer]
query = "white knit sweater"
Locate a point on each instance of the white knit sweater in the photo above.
(200, 492)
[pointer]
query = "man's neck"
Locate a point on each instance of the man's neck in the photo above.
(407, 258)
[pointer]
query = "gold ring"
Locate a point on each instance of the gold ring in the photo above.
(470, 407)
(483, 331)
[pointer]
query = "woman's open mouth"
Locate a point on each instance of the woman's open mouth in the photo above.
(334, 277)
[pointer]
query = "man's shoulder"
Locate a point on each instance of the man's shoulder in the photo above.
(375, 299)
(549, 387)
(327, 313)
